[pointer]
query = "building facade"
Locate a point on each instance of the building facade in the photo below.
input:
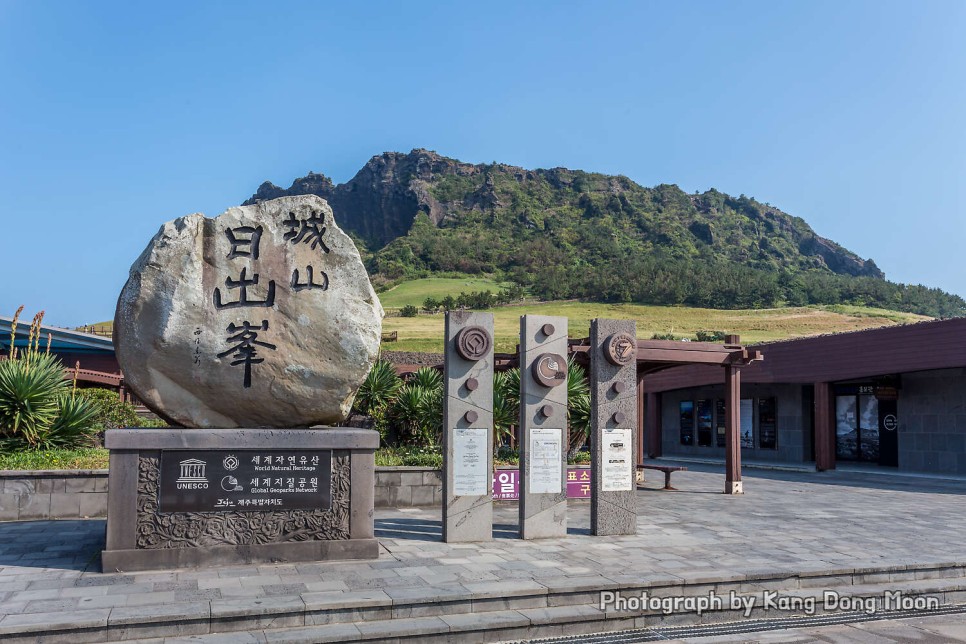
(893, 397)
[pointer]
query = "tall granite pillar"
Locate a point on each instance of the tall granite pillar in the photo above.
(543, 427)
(468, 427)
(613, 437)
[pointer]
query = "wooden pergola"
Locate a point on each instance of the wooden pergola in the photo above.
(657, 355)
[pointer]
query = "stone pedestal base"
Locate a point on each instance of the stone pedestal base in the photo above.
(141, 536)
(733, 487)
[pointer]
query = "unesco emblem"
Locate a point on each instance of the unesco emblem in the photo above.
(473, 342)
(620, 349)
(230, 463)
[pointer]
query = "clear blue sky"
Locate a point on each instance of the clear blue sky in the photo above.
(118, 116)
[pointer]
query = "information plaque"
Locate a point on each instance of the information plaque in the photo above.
(617, 473)
(244, 480)
(545, 455)
(471, 470)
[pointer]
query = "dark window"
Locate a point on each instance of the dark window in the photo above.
(767, 425)
(687, 422)
(705, 433)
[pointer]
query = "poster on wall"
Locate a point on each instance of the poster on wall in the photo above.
(470, 467)
(617, 467)
(767, 424)
(687, 422)
(546, 469)
(705, 435)
(747, 430)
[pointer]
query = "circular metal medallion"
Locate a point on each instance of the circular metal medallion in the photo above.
(473, 342)
(620, 349)
(550, 369)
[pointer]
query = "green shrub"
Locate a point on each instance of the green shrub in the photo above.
(409, 457)
(409, 311)
(710, 336)
(55, 459)
(112, 412)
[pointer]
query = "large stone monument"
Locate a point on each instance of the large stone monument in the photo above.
(245, 330)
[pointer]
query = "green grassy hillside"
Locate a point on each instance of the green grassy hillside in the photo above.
(414, 292)
(425, 332)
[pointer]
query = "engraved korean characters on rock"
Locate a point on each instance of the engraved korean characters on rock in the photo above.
(222, 318)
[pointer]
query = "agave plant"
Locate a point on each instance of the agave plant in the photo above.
(38, 407)
(29, 395)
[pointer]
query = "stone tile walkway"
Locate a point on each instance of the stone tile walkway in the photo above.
(786, 521)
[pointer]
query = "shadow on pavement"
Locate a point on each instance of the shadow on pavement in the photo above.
(61, 545)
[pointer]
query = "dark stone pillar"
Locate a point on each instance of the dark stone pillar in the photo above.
(543, 426)
(613, 442)
(468, 427)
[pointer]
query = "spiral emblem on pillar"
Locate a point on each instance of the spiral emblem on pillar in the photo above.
(473, 343)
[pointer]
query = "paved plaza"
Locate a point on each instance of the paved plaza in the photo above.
(785, 523)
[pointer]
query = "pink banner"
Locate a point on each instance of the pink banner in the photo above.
(506, 484)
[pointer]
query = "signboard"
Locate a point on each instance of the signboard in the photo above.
(244, 480)
(546, 452)
(617, 471)
(470, 465)
(506, 484)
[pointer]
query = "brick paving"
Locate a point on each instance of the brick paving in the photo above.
(786, 521)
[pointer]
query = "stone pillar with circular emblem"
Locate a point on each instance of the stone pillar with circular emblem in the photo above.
(543, 427)
(613, 434)
(468, 427)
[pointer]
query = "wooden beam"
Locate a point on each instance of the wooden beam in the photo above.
(824, 428)
(732, 427)
(652, 409)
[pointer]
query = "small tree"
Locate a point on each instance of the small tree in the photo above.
(430, 305)
(448, 303)
(409, 311)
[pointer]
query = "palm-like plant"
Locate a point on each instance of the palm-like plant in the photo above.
(427, 378)
(378, 389)
(506, 404)
(418, 407)
(578, 407)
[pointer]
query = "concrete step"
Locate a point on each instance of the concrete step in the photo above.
(483, 611)
(559, 621)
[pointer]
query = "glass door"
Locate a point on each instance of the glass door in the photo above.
(857, 428)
